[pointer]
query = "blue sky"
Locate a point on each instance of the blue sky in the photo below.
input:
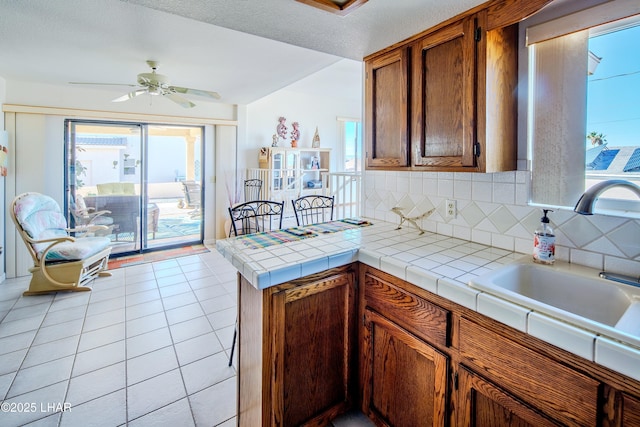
(613, 104)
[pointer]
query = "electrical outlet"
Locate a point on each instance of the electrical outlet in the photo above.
(450, 208)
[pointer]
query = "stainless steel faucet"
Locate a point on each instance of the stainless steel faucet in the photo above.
(585, 207)
(621, 278)
(588, 199)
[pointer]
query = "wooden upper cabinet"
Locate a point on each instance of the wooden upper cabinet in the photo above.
(461, 79)
(442, 97)
(497, 97)
(464, 98)
(386, 110)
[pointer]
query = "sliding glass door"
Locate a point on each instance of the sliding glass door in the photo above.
(141, 182)
(174, 184)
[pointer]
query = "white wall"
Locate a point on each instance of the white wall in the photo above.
(309, 102)
(3, 95)
(313, 101)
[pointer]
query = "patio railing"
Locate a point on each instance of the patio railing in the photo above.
(345, 187)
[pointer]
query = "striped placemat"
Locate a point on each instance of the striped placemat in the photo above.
(293, 234)
(340, 225)
(270, 238)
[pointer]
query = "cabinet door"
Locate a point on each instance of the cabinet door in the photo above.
(482, 404)
(386, 110)
(630, 411)
(443, 97)
(404, 380)
(313, 334)
(277, 166)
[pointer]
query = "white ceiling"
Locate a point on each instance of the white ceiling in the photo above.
(243, 49)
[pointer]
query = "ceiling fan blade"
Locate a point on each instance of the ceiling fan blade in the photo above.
(198, 92)
(101, 84)
(130, 95)
(180, 100)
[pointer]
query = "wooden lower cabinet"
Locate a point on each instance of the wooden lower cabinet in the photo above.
(296, 350)
(427, 361)
(393, 394)
(356, 337)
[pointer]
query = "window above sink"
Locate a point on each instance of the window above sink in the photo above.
(583, 114)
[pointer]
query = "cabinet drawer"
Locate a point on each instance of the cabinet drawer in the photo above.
(417, 315)
(560, 392)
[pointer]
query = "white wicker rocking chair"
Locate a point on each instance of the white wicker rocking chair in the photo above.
(60, 262)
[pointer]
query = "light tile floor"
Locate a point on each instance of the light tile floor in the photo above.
(147, 346)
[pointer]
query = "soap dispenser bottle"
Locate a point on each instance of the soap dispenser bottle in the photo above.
(544, 241)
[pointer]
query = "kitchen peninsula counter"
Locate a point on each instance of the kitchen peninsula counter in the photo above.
(420, 259)
(274, 274)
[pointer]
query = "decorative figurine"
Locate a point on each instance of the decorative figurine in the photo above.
(315, 143)
(295, 134)
(315, 162)
(274, 142)
(281, 129)
(411, 220)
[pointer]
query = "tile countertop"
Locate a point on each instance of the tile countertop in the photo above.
(440, 264)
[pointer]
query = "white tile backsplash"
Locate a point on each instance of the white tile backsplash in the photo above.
(493, 210)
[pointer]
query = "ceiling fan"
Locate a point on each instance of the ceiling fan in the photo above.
(158, 84)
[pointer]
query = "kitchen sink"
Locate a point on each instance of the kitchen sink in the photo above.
(569, 292)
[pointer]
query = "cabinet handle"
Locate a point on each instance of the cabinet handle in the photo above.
(476, 149)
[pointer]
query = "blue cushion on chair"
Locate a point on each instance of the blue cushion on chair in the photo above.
(82, 248)
(41, 219)
(40, 216)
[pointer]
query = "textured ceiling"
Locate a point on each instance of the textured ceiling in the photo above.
(369, 28)
(243, 49)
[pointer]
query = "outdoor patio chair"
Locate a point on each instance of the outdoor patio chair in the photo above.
(60, 262)
(84, 216)
(192, 196)
(256, 216)
(313, 209)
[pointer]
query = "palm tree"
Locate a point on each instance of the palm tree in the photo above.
(596, 138)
